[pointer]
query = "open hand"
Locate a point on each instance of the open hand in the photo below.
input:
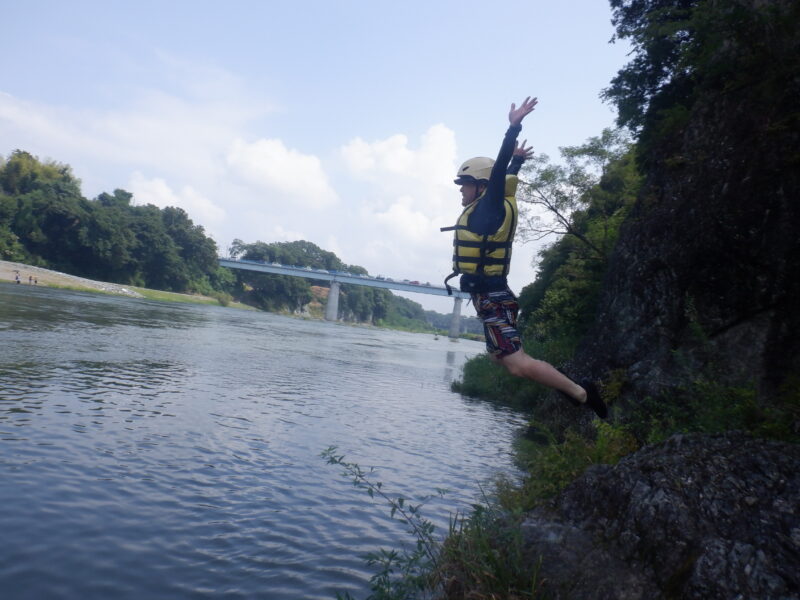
(516, 115)
(521, 150)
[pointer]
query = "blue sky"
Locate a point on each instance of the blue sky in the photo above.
(341, 123)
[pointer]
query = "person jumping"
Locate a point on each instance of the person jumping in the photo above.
(484, 235)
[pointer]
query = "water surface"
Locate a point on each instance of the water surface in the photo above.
(156, 450)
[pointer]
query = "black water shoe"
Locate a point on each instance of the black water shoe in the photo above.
(593, 399)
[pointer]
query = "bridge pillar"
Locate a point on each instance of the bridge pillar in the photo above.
(455, 320)
(332, 308)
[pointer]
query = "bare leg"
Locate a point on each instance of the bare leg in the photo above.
(522, 365)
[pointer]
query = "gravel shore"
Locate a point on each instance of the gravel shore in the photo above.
(29, 275)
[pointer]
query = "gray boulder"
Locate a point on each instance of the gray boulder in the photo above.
(697, 517)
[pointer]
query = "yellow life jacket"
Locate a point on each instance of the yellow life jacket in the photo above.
(485, 255)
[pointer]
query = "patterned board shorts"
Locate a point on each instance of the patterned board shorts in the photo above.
(498, 311)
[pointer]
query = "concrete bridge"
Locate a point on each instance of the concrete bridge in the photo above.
(336, 278)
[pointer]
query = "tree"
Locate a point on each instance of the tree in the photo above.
(661, 33)
(157, 255)
(585, 202)
(550, 195)
(198, 251)
(685, 49)
(23, 173)
(10, 246)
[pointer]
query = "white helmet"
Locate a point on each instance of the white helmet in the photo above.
(475, 169)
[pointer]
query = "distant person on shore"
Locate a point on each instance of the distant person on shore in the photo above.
(16, 278)
(30, 279)
(484, 235)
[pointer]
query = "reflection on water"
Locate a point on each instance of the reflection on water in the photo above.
(449, 371)
(155, 450)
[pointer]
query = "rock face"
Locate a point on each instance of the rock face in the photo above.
(697, 517)
(707, 266)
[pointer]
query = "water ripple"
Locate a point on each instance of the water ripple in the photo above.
(158, 451)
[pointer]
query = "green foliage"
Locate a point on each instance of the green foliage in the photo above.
(661, 33)
(10, 246)
(467, 324)
(45, 220)
(483, 557)
(551, 464)
(707, 406)
(559, 306)
(567, 308)
(365, 304)
(685, 50)
(405, 314)
(23, 173)
(282, 292)
(550, 194)
(300, 254)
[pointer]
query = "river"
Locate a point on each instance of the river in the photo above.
(168, 451)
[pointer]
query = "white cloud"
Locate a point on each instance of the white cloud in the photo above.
(152, 129)
(156, 191)
(391, 155)
(406, 222)
(392, 158)
(279, 234)
(282, 172)
(408, 195)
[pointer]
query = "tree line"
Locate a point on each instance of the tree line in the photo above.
(46, 221)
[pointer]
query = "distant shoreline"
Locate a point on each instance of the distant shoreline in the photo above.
(39, 276)
(30, 275)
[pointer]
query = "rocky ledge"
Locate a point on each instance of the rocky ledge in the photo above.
(695, 517)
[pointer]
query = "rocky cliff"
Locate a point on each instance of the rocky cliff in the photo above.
(707, 267)
(697, 517)
(704, 282)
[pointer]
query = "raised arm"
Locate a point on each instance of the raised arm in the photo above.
(510, 147)
(487, 216)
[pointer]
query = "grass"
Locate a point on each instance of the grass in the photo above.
(487, 381)
(483, 557)
(159, 295)
(163, 296)
(551, 465)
